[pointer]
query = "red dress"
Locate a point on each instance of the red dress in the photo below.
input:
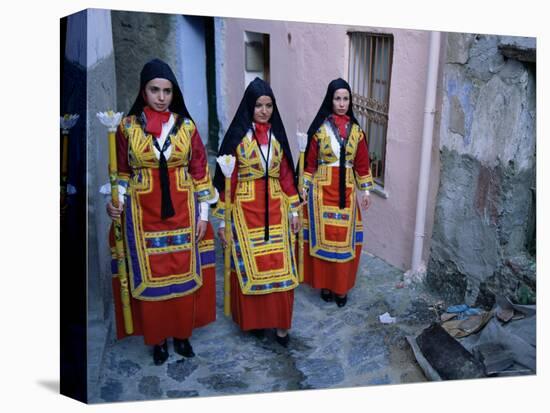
(333, 237)
(264, 273)
(171, 276)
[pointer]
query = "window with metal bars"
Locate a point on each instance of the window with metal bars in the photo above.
(370, 61)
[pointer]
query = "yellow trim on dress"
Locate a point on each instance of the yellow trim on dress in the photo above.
(142, 159)
(250, 242)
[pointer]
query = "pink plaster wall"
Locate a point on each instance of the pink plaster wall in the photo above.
(300, 72)
(300, 69)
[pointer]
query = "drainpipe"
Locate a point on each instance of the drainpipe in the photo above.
(425, 156)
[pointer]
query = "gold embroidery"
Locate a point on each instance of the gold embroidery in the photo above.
(143, 161)
(332, 215)
(326, 154)
(251, 243)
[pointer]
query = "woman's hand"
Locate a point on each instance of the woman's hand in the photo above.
(221, 236)
(304, 195)
(114, 212)
(365, 202)
(201, 229)
(295, 224)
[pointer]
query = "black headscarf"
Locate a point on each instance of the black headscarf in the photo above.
(324, 112)
(154, 69)
(242, 123)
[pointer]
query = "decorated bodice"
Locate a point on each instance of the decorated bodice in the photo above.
(141, 153)
(324, 151)
(137, 157)
(250, 160)
(328, 143)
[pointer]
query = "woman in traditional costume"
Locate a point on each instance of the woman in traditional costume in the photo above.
(336, 175)
(264, 215)
(169, 243)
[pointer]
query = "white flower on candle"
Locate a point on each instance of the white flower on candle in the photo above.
(110, 119)
(302, 141)
(227, 164)
(67, 121)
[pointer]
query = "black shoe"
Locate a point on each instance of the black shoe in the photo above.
(183, 347)
(327, 295)
(257, 332)
(160, 353)
(341, 301)
(283, 341)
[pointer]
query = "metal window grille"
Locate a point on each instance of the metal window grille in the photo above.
(370, 62)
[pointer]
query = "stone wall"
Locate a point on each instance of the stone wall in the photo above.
(483, 237)
(176, 39)
(138, 38)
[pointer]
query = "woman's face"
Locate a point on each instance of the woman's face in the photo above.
(158, 94)
(340, 101)
(263, 109)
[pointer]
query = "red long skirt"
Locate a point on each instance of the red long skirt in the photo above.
(334, 276)
(273, 310)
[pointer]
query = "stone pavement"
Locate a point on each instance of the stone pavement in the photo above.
(330, 347)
